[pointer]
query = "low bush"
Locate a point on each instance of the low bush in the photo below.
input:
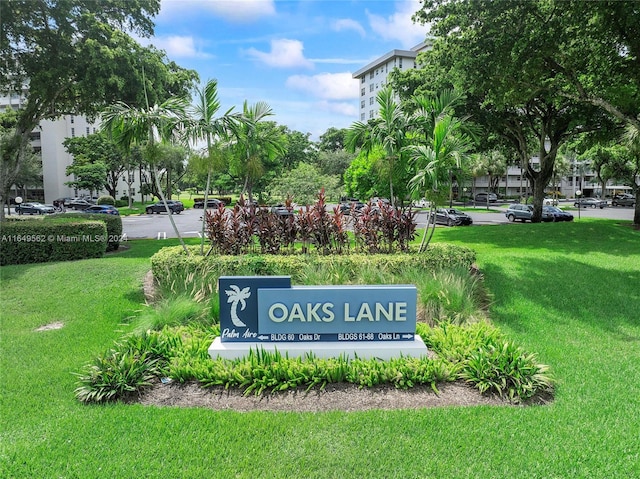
(197, 275)
(112, 222)
(58, 239)
(106, 200)
(477, 354)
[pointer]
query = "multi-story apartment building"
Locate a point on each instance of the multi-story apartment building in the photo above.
(47, 140)
(373, 76)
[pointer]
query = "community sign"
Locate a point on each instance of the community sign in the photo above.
(269, 309)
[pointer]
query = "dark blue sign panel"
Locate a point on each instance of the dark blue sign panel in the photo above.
(349, 313)
(239, 304)
(269, 309)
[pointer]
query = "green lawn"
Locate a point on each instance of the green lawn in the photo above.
(570, 292)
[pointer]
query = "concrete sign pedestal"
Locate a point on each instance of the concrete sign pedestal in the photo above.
(324, 349)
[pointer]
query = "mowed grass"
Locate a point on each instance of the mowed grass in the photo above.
(570, 292)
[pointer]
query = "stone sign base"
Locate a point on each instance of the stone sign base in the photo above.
(324, 349)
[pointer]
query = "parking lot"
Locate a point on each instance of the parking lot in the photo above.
(189, 223)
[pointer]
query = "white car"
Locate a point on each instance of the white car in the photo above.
(422, 203)
(550, 202)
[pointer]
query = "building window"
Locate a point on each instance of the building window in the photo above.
(370, 113)
(73, 132)
(362, 104)
(400, 62)
(362, 92)
(370, 101)
(72, 119)
(371, 87)
(371, 74)
(363, 79)
(34, 136)
(361, 116)
(88, 132)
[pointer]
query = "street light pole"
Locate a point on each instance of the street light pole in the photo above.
(578, 194)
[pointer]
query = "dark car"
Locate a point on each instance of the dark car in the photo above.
(63, 201)
(211, 203)
(79, 204)
(452, 217)
(590, 203)
(486, 198)
(282, 210)
(174, 206)
(348, 206)
(102, 209)
(556, 214)
(623, 200)
(34, 209)
(524, 213)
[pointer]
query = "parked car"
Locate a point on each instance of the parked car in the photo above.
(64, 201)
(550, 202)
(422, 203)
(486, 198)
(556, 214)
(282, 210)
(174, 206)
(623, 200)
(34, 209)
(79, 204)
(102, 209)
(211, 203)
(524, 213)
(348, 206)
(590, 203)
(452, 217)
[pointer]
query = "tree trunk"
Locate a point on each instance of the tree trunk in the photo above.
(166, 207)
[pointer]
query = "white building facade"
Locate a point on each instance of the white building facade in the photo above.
(47, 140)
(373, 76)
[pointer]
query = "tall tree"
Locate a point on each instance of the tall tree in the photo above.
(390, 131)
(213, 129)
(535, 72)
(440, 147)
(150, 127)
(98, 148)
(75, 58)
(256, 146)
(333, 139)
(627, 168)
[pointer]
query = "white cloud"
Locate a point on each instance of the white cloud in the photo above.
(327, 86)
(399, 26)
(348, 24)
(284, 54)
(341, 108)
(178, 47)
(236, 11)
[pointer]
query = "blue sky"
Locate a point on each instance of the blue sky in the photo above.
(298, 56)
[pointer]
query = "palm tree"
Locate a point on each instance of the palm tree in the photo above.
(206, 126)
(148, 126)
(441, 147)
(255, 145)
(390, 131)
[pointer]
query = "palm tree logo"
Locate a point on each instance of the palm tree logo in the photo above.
(236, 295)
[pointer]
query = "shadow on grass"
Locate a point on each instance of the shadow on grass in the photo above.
(585, 236)
(605, 299)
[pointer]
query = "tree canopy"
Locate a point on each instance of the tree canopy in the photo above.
(76, 57)
(534, 71)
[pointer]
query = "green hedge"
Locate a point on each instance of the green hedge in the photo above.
(113, 223)
(62, 239)
(171, 265)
